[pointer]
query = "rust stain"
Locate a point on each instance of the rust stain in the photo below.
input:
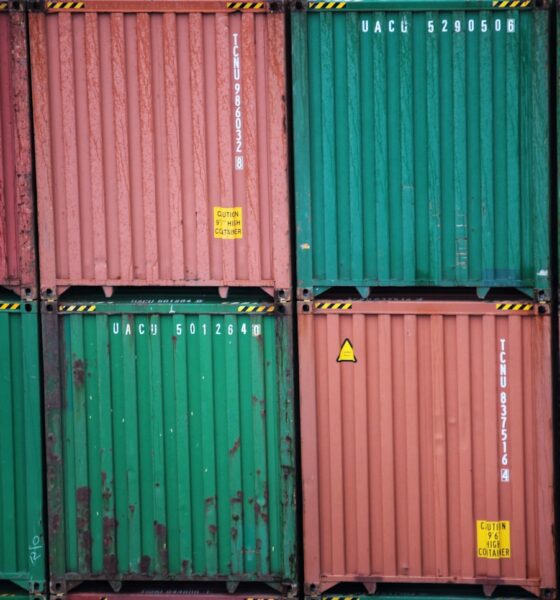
(212, 529)
(110, 563)
(234, 533)
(235, 447)
(238, 498)
(185, 567)
(78, 370)
(145, 564)
(109, 527)
(260, 512)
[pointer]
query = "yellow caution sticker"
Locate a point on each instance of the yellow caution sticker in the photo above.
(346, 353)
(228, 222)
(493, 539)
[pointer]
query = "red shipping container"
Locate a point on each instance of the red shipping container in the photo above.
(161, 148)
(17, 245)
(426, 444)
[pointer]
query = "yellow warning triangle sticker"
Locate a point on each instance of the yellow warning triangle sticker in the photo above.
(346, 353)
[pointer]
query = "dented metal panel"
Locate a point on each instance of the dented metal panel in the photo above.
(22, 540)
(170, 428)
(426, 444)
(161, 149)
(421, 144)
(17, 243)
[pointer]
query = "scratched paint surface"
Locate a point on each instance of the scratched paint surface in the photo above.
(421, 145)
(175, 443)
(17, 244)
(22, 542)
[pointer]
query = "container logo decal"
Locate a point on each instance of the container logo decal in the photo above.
(346, 353)
(255, 308)
(511, 3)
(333, 305)
(228, 222)
(9, 306)
(326, 5)
(513, 306)
(3, 6)
(493, 539)
(503, 383)
(80, 308)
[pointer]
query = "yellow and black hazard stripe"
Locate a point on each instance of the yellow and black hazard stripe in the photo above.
(244, 5)
(9, 306)
(65, 5)
(79, 308)
(326, 5)
(513, 306)
(333, 305)
(511, 3)
(252, 598)
(343, 598)
(256, 308)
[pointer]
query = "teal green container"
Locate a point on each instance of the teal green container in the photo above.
(421, 144)
(22, 541)
(171, 431)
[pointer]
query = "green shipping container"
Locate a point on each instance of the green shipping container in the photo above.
(421, 144)
(22, 541)
(170, 427)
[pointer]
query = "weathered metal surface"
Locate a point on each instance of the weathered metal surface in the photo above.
(22, 542)
(421, 145)
(161, 149)
(170, 429)
(420, 420)
(17, 244)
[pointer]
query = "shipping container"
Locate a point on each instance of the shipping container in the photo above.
(170, 442)
(17, 234)
(161, 150)
(22, 540)
(421, 144)
(426, 444)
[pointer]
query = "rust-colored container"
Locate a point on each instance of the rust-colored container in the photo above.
(161, 150)
(17, 245)
(426, 444)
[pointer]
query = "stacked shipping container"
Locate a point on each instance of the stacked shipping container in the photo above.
(161, 158)
(22, 540)
(419, 136)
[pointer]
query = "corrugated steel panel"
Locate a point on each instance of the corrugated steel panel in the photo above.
(421, 145)
(423, 425)
(149, 129)
(22, 542)
(17, 243)
(170, 430)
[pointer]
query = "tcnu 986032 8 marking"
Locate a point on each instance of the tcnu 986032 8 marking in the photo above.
(445, 25)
